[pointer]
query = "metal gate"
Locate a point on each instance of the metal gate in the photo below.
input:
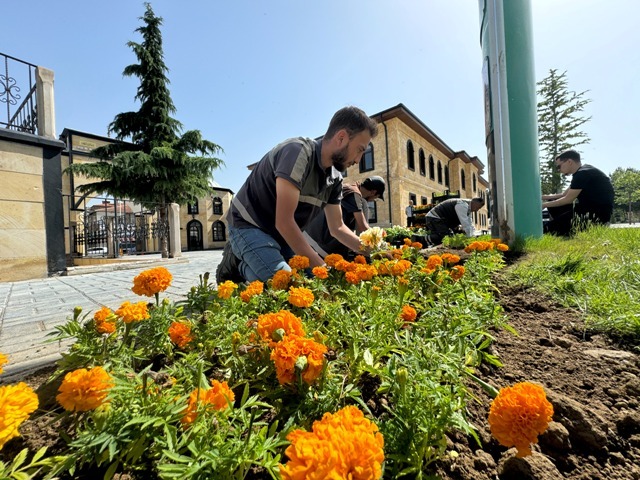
(109, 227)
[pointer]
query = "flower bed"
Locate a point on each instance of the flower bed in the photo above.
(355, 372)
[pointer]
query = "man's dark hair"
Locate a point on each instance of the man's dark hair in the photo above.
(353, 120)
(479, 200)
(569, 155)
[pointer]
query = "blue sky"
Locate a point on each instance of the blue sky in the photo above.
(251, 73)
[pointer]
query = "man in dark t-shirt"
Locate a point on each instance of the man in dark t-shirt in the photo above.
(590, 193)
(355, 215)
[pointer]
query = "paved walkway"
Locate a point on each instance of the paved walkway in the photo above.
(30, 309)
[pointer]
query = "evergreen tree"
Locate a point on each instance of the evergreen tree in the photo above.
(626, 185)
(559, 123)
(151, 163)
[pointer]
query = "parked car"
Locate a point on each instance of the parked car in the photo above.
(97, 252)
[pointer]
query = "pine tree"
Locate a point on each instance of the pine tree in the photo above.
(151, 163)
(559, 123)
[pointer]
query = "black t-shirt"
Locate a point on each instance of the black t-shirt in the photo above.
(597, 192)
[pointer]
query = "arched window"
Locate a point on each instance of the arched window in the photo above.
(446, 175)
(219, 231)
(439, 172)
(463, 180)
(422, 163)
(473, 182)
(411, 161)
(432, 169)
(194, 235)
(217, 206)
(366, 162)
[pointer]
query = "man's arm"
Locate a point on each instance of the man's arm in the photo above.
(287, 197)
(361, 221)
(339, 230)
(465, 219)
(568, 197)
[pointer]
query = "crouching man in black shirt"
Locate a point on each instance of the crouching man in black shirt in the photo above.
(591, 190)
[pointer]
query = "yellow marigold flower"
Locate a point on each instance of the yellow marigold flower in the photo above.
(218, 397)
(332, 259)
(427, 271)
(225, 290)
(450, 258)
(457, 271)
(254, 288)
(360, 259)
(408, 313)
(407, 242)
(133, 312)
(180, 334)
(3, 361)
(83, 390)
(286, 353)
(344, 445)
(269, 323)
(282, 278)
(152, 281)
(518, 415)
(320, 272)
(299, 262)
(17, 402)
(502, 247)
(301, 297)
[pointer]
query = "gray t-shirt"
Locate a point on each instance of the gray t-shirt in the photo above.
(298, 161)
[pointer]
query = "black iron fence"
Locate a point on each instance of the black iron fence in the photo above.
(18, 99)
(109, 227)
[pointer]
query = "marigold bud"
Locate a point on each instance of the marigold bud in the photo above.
(278, 334)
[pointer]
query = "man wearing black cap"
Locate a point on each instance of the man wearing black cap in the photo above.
(355, 215)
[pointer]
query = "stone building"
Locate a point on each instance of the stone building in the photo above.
(417, 166)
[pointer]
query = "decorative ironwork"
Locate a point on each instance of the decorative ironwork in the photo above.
(110, 227)
(22, 118)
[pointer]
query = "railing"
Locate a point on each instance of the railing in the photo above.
(108, 227)
(18, 93)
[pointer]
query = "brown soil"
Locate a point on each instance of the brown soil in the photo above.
(593, 384)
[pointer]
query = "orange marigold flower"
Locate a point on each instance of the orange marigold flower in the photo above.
(400, 267)
(434, 261)
(407, 242)
(218, 397)
(17, 402)
(457, 271)
(225, 289)
(254, 288)
(352, 278)
(332, 259)
(270, 323)
(3, 361)
(286, 355)
(105, 321)
(340, 446)
(320, 272)
(299, 262)
(301, 297)
(416, 245)
(408, 313)
(518, 415)
(427, 271)
(133, 312)
(502, 247)
(282, 278)
(360, 259)
(342, 265)
(83, 390)
(180, 334)
(152, 281)
(450, 258)
(102, 314)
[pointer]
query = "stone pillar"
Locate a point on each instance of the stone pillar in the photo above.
(175, 245)
(46, 104)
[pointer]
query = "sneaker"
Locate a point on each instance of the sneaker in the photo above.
(228, 267)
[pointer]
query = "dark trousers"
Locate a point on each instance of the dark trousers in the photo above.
(410, 221)
(438, 229)
(565, 220)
